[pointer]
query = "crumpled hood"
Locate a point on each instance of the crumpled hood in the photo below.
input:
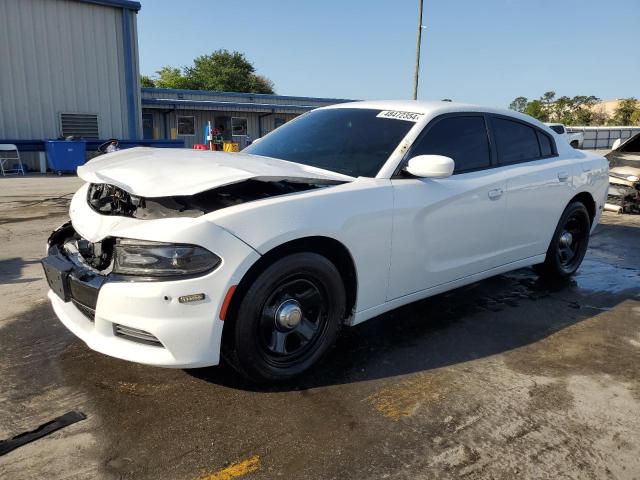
(162, 172)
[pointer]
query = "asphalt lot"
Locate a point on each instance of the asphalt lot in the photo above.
(507, 378)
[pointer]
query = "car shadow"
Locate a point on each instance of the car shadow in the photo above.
(483, 319)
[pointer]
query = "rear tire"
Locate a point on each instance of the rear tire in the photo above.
(568, 245)
(288, 318)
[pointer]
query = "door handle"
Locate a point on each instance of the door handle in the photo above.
(562, 176)
(495, 194)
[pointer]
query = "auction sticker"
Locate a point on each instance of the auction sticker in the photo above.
(397, 115)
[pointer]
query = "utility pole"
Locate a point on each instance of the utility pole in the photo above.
(417, 72)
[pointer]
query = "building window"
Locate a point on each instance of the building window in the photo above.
(238, 126)
(186, 125)
(83, 125)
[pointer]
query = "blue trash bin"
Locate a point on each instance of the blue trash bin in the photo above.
(65, 155)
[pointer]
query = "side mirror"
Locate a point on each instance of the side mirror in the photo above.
(430, 166)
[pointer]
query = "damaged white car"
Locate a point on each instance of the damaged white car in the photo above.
(624, 175)
(174, 257)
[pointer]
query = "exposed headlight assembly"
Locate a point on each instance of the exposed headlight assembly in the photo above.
(155, 259)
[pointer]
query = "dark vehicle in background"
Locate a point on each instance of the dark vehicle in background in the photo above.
(624, 175)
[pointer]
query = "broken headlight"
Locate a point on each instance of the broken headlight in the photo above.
(155, 259)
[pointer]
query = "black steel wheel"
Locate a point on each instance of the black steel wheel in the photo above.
(292, 319)
(569, 243)
(288, 318)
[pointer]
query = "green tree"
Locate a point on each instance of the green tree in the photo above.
(583, 109)
(548, 97)
(171, 77)
(536, 109)
(635, 117)
(625, 111)
(226, 71)
(598, 117)
(519, 104)
(146, 81)
(562, 110)
(262, 84)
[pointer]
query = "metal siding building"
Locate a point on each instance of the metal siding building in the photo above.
(603, 137)
(71, 68)
(263, 112)
(68, 57)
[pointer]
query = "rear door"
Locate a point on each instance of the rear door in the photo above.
(538, 187)
(446, 229)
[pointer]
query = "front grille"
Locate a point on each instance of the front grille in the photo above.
(135, 335)
(88, 312)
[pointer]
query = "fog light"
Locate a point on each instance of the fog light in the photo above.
(194, 297)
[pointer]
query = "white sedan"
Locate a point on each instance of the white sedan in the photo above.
(173, 257)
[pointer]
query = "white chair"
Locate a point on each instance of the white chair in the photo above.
(10, 163)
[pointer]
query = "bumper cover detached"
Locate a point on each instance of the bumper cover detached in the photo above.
(140, 320)
(625, 196)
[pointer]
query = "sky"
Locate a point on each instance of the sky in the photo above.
(477, 51)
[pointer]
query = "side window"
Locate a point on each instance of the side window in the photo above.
(545, 144)
(516, 141)
(464, 139)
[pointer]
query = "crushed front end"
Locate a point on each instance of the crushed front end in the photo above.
(624, 175)
(624, 189)
(148, 291)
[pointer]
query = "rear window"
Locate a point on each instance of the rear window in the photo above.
(352, 141)
(557, 128)
(516, 141)
(545, 144)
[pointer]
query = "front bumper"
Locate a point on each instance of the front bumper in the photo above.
(143, 321)
(624, 194)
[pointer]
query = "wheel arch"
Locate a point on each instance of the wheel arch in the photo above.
(587, 200)
(328, 247)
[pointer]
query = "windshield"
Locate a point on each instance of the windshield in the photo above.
(352, 141)
(557, 128)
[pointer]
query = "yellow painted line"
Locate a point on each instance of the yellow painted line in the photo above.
(403, 399)
(235, 470)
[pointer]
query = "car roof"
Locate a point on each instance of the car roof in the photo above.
(433, 108)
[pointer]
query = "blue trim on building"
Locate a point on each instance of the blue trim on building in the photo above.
(130, 81)
(129, 5)
(194, 104)
(215, 93)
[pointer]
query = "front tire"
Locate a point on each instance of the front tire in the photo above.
(568, 245)
(288, 318)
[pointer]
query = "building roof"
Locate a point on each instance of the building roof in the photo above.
(128, 4)
(173, 103)
(264, 97)
(173, 99)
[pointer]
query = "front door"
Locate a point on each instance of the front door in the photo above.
(447, 229)
(147, 126)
